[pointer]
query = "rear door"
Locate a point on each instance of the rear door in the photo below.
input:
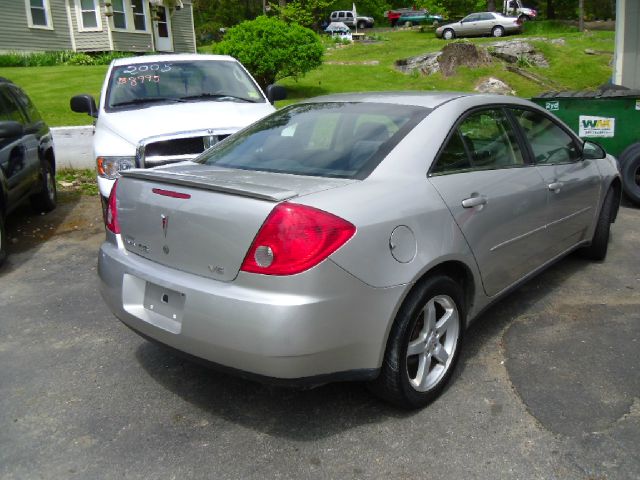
(572, 183)
(495, 197)
(486, 23)
(18, 154)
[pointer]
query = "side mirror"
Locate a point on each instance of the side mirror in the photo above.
(84, 104)
(276, 92)
(592, 151)
(11, 129)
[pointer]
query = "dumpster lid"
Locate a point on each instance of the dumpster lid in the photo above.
(603, 93)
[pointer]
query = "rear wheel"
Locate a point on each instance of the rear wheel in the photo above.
(45, 200)
(630, 171)
(497, 31)
(423, 344)
(448, 34)
(600, 242)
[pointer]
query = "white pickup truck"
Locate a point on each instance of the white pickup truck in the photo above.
(515, 8)
(162, 109)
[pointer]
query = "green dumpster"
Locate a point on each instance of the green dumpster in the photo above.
(608, 117)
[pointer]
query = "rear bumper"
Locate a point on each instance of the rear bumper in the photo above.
(312, 328)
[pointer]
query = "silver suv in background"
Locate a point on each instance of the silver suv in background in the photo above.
(346, 17)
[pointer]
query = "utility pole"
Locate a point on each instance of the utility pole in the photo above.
(581, 15)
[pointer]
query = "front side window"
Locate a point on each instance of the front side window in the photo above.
(344, 140)
(484, 140)
(89, 15)
(550, 144)
(119, 14)
(38, 14)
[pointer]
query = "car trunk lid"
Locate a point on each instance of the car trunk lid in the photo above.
(203, 219)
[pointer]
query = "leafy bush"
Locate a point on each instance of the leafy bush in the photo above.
(272, 49)
(80, 59)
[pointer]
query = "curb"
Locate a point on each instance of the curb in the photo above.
(73, 147)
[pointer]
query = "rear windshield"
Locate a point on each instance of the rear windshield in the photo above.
(143, 84)
(346, 140)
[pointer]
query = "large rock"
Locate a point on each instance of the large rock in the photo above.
(512, 51)
(493, 85)
(461, 54)
(426, 64)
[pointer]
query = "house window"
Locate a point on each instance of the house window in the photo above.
(38, 14)
(89, 15)
(139, 21)
(119, 14)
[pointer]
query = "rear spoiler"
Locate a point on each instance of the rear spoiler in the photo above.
(252, 190)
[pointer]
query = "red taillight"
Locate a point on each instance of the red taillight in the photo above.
(295, 238)
(111, 215)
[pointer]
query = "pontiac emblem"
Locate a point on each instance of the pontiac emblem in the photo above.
(165, 224)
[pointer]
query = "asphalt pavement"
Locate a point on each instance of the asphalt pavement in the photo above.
(548, 386)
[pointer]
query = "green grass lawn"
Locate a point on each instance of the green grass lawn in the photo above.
(359, 67)
(51, 88)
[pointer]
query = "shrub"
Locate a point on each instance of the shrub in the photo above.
(49, 59)
(272, 49)
(80, 59)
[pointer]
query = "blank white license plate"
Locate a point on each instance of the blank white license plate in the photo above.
(164, 301)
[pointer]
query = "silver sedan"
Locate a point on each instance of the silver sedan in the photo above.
(479, 24)
(353, 237)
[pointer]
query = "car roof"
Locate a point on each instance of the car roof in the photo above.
(419, 99)
(185, 57)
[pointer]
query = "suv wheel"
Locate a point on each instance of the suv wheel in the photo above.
(3, 240)
(45, 200)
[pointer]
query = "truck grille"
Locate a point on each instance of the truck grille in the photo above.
(164, 151)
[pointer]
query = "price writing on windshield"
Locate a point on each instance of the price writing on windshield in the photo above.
(150, 67)
(140, 79)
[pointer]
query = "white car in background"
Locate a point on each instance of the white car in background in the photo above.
(156, 110)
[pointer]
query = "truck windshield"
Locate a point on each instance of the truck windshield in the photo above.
(155, 82)
(341, 139)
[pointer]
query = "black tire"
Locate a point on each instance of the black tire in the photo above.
(399, 381)
(630, 171)
(3, 240)
(362, 24)
(448, 34)
(45, 200)
(523, 18)
(600, 241)
(497, 31)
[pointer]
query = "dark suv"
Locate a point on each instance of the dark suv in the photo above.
(27, 161)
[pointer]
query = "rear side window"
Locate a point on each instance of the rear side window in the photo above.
(346, 140)
(550, 143)
(484, 140)
(26, 104)
(9, 110)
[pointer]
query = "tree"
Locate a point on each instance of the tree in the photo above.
(308, 13)
(272, 49)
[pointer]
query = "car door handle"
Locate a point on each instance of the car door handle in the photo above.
(555, 186)
(474, 202)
